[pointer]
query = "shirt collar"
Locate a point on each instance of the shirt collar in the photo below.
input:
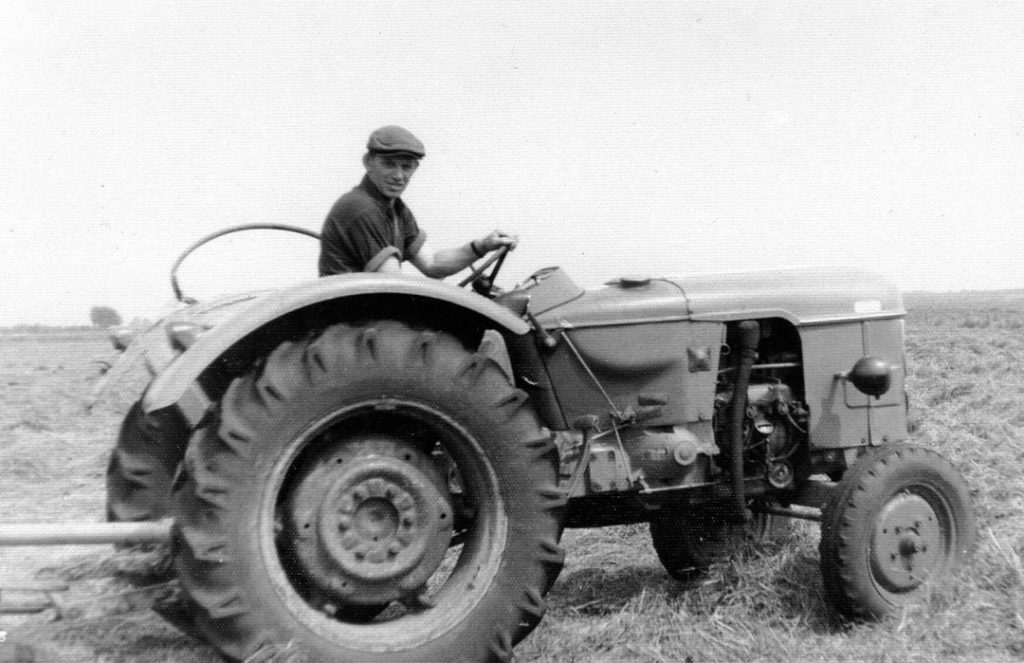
(369, 187)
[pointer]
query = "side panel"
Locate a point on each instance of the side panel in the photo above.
(841, 416)
(888, 413)
(674, 363)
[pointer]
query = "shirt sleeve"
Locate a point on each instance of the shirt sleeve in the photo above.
(377, 260)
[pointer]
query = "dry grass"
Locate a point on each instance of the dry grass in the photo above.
(613, 602)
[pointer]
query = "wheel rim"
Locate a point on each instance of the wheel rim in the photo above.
(376, 527)
(912, 540)
(378, 532)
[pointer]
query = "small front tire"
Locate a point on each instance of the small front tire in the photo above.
(901, 519)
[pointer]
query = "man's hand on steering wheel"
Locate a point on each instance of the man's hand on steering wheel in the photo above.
(496, 240)
(499, 241)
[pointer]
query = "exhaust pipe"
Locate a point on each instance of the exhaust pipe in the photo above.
(750, 335)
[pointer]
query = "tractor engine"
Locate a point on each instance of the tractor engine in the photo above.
(774, 429)
(622, 458)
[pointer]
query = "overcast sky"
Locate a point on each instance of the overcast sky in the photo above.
(625, 137)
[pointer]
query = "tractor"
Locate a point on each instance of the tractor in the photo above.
(372, 467)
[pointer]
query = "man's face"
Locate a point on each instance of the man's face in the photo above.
(390, 173)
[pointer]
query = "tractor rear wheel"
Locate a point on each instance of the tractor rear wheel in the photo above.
(901, 518)
(142, 467)
(689, 543)
(375, 494)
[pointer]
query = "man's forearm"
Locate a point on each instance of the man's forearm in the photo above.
(446, 262)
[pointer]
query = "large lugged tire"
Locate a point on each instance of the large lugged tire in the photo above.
(689, 543)
(901, 518)
(375, 494)
(142, 467)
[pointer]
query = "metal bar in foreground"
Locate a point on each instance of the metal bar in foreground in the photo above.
(56, 534)
(796, 511)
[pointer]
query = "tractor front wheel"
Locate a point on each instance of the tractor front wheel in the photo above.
(901, 518)
(377, 493)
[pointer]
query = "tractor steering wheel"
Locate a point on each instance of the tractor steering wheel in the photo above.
(484, 283)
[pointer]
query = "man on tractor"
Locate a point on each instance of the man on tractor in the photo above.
(370, 229)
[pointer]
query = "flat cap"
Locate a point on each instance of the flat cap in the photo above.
(395, 140)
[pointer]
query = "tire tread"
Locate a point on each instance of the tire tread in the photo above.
(220, 455)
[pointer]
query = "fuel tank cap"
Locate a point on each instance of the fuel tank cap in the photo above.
(631, 281)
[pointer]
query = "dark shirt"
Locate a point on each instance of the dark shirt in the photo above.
(364, 229)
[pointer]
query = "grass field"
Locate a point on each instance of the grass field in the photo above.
(613, 602)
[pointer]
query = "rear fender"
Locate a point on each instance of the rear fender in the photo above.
(193, 380)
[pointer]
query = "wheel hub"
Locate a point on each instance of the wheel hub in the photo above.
(378, 531)
(908, 545)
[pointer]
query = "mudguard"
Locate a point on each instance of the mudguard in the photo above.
(176, 384)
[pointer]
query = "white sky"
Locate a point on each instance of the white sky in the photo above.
(626, 137)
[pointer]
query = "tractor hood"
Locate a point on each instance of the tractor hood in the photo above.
(801, 296)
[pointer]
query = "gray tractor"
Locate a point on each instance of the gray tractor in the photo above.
(375, 467)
